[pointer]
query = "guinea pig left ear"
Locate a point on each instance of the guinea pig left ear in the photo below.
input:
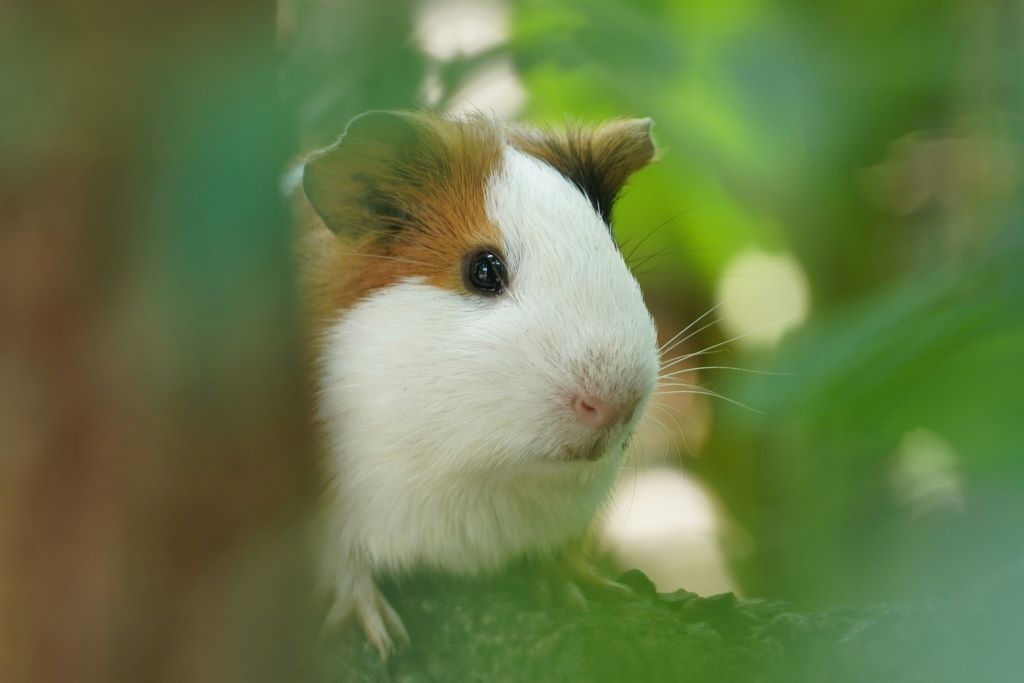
(597, 160)
(353, 184)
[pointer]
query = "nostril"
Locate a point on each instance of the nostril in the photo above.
(592, 412)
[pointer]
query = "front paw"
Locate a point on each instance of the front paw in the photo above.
(380, 622)
(576, 568)
(569, 578)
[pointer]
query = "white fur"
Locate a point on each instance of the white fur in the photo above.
(448, 414)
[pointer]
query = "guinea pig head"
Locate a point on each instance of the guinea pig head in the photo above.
(479, 314)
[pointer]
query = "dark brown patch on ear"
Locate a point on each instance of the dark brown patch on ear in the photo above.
(355, 185)
(404, 195)
(597, 160)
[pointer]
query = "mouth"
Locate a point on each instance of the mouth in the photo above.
(594, 451)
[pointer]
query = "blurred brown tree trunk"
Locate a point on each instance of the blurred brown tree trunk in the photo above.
(153, 447)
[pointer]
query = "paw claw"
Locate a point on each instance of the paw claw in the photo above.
(381, 624)
(394, 624)
(574, 576)
(574, 598)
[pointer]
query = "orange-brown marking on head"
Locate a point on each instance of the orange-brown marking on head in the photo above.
(400, 195)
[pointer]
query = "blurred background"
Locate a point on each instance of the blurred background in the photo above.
(836, 221)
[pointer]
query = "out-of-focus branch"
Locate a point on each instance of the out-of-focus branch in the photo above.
(497, 631)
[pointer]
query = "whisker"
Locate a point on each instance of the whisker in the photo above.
(672, 410)
(739, 336)
(683, 359)
(672, 383)
(663, 429)
(704, 391)
(679, 430)
(671, 440)
(667, 345)
(692, 334)
(663, 224)
(631, 455)
(667, 438)
(635, 267)
(726, 367)
(664, 250)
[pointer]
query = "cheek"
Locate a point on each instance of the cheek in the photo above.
(421, 363)
(416, 374)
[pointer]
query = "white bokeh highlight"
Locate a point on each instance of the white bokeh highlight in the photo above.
(761, 296)
(446, 29)
(665, 523)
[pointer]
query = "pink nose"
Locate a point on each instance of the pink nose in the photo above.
(593, 412)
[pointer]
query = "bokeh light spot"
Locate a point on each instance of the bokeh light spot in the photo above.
(761, 296)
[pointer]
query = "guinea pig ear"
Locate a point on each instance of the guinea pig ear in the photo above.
(352, 183)
(597, 160)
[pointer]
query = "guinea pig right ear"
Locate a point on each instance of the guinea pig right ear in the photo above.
(598, 160)
(352, 184)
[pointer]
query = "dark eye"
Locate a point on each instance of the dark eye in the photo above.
(485, 273)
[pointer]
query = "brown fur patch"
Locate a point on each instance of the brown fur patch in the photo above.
(403, 196)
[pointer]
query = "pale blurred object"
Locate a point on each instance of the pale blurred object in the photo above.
(451, 30)
(446, 29)
(664, 523)
(494, 89)
(761, 296)
(945, 168)
(926, 475)
(943, 187)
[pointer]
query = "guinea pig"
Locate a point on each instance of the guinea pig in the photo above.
(482, 350)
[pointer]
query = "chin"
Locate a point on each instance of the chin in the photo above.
(592, 452)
